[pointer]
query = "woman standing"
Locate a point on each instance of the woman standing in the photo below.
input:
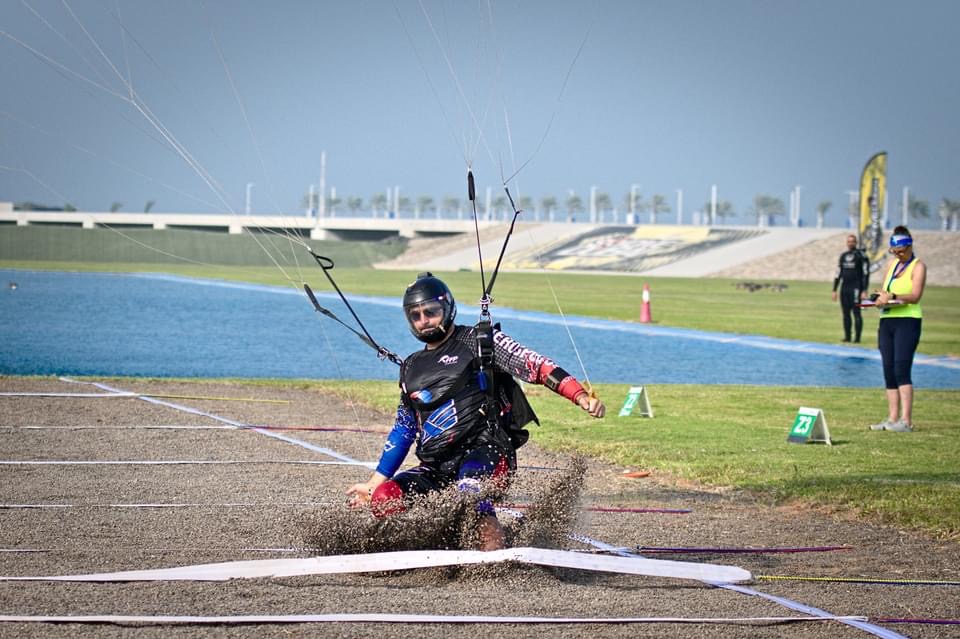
(899, 332)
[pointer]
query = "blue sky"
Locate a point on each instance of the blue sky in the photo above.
(756, 97)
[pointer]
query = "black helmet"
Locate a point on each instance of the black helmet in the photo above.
(428, 288)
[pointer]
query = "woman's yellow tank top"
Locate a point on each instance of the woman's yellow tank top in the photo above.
(901, 285)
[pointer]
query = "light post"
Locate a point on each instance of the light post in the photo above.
(250, 186)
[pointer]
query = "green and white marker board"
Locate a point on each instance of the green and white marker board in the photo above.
(637, 396)
(809, 426)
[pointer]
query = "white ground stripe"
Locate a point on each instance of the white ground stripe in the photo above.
(379, 562)
(159, 505)
(131, 427)
(68, 395)
(194, 411)
(799, 607)
(372, 617)
(176, 462)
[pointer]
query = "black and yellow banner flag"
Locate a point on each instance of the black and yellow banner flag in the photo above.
(873, 193)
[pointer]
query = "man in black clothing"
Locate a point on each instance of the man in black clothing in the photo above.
(853, 275)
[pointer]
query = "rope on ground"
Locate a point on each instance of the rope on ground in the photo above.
(372, 617)
(864, 580)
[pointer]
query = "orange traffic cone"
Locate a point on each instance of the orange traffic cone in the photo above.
(645, 317)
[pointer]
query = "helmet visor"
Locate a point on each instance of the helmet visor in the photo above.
(430, 309)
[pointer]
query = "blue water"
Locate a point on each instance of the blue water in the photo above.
(158, 325)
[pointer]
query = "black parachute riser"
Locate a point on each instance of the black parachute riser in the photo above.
(472, 195)
(503, 247)
(326, 264)
(487, 288)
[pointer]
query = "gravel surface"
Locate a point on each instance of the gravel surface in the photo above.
(260, 502)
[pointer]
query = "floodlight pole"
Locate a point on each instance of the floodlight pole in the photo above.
(905, 216)
(322, 200)
(713, 205)
(250, 186)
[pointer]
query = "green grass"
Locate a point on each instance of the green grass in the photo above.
(803, 311)
(736, 437)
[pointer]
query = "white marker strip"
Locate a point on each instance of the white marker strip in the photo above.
(224, 420)
(175, 462)
(372, 617)
(131, 427)
(857, 622)
(406, 560)
(150, 549)
(159, 505)
(124, 394)
(877, 631)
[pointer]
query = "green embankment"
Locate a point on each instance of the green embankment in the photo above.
(146, 249)
(729, 436)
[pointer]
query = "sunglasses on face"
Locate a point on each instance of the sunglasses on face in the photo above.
(427, 312)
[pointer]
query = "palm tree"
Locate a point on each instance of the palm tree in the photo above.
(574, 205)
(333, 202)
(822, 209)
(354, 204)
(548, 203)
(949, 211)
(148, 205)
(633, 202)
(403, 204)
(498, 204)
(766, 207)
(658, 204)
(451, 204)
(525, 204)
(115, 207)
(377, 202)
(724, 209)
(603, 203)
(424, 204)
(917, 207)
